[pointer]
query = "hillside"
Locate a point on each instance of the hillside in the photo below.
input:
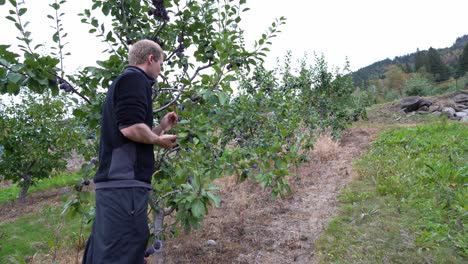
(448, 55)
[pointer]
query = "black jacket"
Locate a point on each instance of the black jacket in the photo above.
(122, 162)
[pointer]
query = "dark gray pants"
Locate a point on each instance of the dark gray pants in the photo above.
(120, 230)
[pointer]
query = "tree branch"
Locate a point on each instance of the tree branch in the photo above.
(183, 87)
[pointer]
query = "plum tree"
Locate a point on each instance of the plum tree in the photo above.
(205, 57)
(37, 139)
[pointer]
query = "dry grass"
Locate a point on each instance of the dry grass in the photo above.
(325, 147)
(64, 257)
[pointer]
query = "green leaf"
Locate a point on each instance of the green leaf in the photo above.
(14, 77)
(22, 11)
(214, 198)
(2, 2)
(182, 135)
(11, 18)
(198, 208)
(13, 88)
(223, 98)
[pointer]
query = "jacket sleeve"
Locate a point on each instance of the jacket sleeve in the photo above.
(130, 100)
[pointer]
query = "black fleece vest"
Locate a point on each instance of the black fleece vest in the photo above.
(122, 162)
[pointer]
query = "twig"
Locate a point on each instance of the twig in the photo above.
(183, 87)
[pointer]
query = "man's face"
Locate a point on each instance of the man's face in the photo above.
(155, 67)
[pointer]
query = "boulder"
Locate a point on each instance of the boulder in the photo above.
(460, 98)
(464, 119)
(460, 114)
(413, 103)
(410, 104)
(434, 108)
(449, 111)
(460, 107)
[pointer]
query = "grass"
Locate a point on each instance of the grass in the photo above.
(44, 232)
(64, 179)
(409, 204)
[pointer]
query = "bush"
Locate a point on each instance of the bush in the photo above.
(418, 85)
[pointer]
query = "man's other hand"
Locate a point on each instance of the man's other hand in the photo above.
(168, 121)
(166, 141)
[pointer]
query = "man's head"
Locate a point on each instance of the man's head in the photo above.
(148, 56)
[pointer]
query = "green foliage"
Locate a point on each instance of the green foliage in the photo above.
(395, 78)
(325, 97)
(410, 203)
(417, 85)
(37, 138)
(255, 133)
(420, 60)
(435, 66)
(463, 61)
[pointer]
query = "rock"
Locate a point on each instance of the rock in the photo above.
(410, 104)
(434, 108)
(211, 243)
(449, 111)
(437, 113)
(460, 98)
(464, 119)
(413, 103)
(424, 108)
(459, 107)
(465, 111)
(460, 114)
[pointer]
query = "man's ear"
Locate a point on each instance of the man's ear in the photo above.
(149, 58)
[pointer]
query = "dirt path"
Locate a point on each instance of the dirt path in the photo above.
(250, 227)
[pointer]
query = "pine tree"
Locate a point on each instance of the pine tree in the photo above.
(463, 61)
(435, 66)
(407, 68)
(420, 60)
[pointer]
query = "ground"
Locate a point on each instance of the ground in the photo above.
(250, 226)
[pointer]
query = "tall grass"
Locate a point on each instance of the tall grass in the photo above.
(410, 203)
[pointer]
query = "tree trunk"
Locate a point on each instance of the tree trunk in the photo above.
(158, 228)
(158, 217)
(27, 181)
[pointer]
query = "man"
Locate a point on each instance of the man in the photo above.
(126, 160)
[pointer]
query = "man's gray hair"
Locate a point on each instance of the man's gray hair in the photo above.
(140, 51)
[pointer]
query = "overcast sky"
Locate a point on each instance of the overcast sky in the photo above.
(364, 31)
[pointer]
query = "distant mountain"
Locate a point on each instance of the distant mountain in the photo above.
(449, 57)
